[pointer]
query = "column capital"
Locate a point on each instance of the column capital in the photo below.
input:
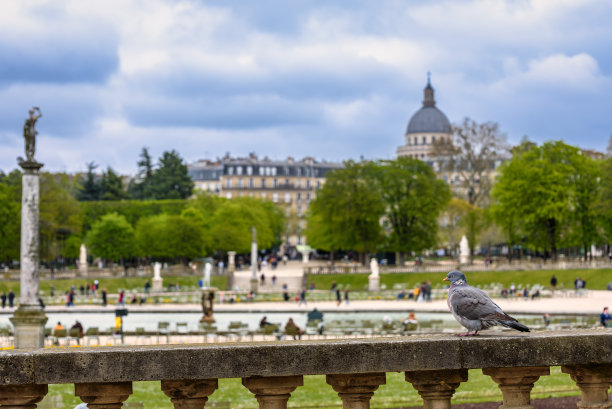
(272, 392)
(189, 394)
(516, 384)
(356, 390)
(103, 395)
(437, 387)
(594, 382)
(21, 396)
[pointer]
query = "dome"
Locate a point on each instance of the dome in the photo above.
(429, 118)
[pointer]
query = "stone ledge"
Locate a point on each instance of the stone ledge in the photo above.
(202, 361)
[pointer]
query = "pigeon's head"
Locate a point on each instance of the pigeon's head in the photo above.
(455, 277)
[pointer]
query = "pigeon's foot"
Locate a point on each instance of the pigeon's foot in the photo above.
(467, 334)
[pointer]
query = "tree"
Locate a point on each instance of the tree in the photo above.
(141, 187)
(90, 189)
(60, 213)
(472, 155)
(9, 223)
(168, 236)
(171, 180)
(346, 213)
(603, 205)
(111, 186)
(546, 190)
(413, 198)
(111, 238)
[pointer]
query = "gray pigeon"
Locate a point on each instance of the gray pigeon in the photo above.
(473, 308)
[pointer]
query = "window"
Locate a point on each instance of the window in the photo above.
(433, 139)
(299, 183)
(230, 170)
(239, 170)
(275, 197)
(287, 182)
(299, 197)
(299, 210)
(307, 197)
(228, 195)
(298, 171)
(275, 185)
(287, 198)
(274, 171)
(318, 184)
(251, 183)
(416, 140)
(228, 183)
(424, 140)
(263, 183)
(240, 183)
(308, 184)
(249, 170)
(261, 171)
(267, 171)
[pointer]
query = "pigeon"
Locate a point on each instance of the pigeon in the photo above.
(473, 308)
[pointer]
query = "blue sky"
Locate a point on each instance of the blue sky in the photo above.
(331, 79)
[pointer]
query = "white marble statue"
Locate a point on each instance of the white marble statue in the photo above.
(374, 267)
(83, 258)
(464, 251)
(207, 269)
(156, 271)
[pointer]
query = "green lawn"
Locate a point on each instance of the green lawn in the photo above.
(113, 285)
(596, 278)
(316, 393)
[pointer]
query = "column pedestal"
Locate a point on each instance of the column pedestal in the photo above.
(373, 283)
(29, 326)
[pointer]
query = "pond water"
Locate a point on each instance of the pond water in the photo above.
(149, 321)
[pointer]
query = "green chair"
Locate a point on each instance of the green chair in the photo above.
(92, 333)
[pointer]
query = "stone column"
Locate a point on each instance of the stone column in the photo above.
(103, 395)
(189, 394)
(356, 390)
(594, 382)
(29, 319)
(437, 387)
(21, 396)
(231, 261)
(516, 384)
(272, 392)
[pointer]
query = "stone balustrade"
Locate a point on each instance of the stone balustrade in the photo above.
(435, 365)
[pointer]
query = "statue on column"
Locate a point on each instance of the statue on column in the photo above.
(29, 133)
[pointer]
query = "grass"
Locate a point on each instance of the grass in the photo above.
(112, 285)
(316, 393)
(596, 278)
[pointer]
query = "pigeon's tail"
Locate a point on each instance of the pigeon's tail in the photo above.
(514, 324)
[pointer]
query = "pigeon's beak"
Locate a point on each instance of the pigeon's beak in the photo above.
(445, 279)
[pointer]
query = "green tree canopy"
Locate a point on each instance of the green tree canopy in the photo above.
(141, 187)
(111, 238)
(169, 236)
(111, 186)
(550, 191)
(346, 213)
(414, 199)
(10, 226)
(90, 188)
(171, 179)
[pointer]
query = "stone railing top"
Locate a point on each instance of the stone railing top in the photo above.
(232, 360)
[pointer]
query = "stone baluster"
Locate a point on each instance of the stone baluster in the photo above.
(437, 387)
(516, 384)
(21, 396)
(103, 395)
(189, 394)
(594, 382)
(273, 392)
(356, 390)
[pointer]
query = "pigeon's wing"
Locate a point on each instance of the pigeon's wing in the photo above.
(474, 304)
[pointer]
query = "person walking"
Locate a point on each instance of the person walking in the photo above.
(553, 284)
(303, 297)
(604, 317)
(104, 300)
(3, 298)
(11, 298)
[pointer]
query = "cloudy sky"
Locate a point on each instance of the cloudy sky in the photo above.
(330, 79)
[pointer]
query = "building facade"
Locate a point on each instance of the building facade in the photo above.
(291, 184)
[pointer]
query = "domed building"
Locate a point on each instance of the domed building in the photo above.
(425, 126)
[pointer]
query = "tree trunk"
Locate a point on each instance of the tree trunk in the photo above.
(552, 230)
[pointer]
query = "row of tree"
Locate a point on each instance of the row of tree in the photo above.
(391, 205)
(168, 179)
